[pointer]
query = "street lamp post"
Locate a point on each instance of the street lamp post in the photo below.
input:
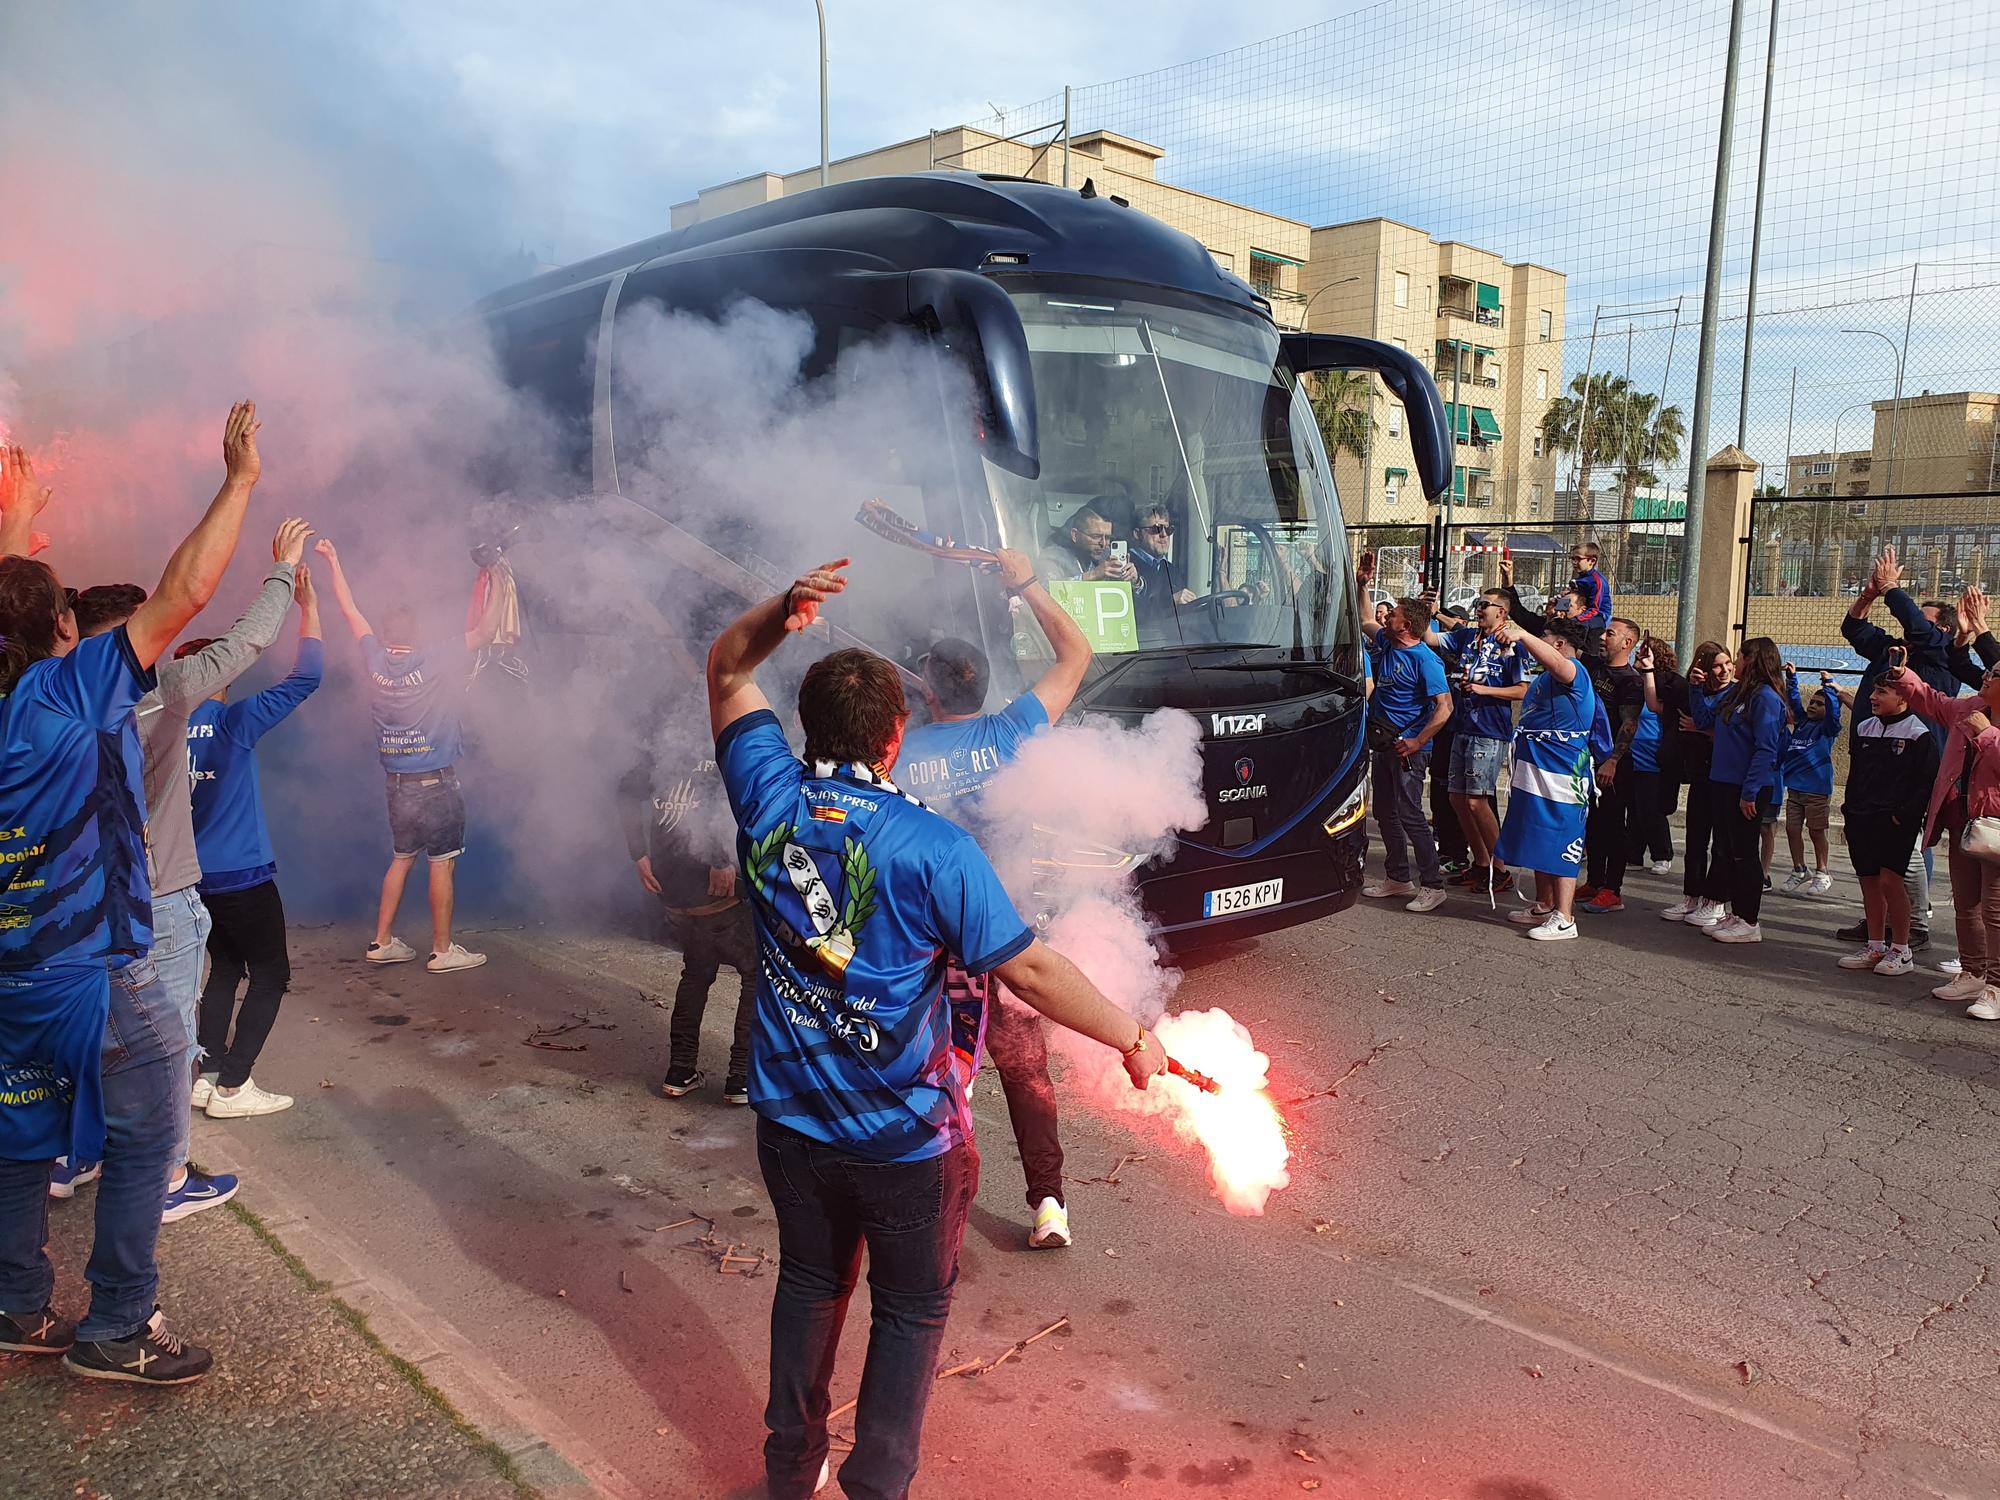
(1836, 440)
(1305, 314)
(820, 5)
(1895, 404)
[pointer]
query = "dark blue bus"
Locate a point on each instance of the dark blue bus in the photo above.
(1108, 359)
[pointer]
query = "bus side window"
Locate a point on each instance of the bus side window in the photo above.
(548, 349)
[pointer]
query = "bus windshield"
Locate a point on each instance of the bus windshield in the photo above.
(1185, 500)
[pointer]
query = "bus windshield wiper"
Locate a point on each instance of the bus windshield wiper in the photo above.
(1285, 664)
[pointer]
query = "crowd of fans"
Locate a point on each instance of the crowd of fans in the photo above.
(1610, 731)
(136, 855)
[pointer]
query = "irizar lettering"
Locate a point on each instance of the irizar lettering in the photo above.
(1236, 723)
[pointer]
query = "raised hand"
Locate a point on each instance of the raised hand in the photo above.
(239, 444)
(18, 489)
(324, 547)
(1364, 568)
(289, 545)
(1644, 659)
(1506, 571)
(302, 587)
(1016, 571)
(1887, 572)
(803, 598)
(1972, 610)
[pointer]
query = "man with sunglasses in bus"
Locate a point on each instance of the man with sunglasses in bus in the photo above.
(1153, 557)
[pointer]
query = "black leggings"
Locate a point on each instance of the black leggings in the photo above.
(248, 938)
(1701, 881)
(1648, 834)
(1737, 856)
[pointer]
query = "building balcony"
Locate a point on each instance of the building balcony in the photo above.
(1486, 317)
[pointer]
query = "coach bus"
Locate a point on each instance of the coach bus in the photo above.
(1082, 353)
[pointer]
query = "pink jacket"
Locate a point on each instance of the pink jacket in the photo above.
(1983, 800)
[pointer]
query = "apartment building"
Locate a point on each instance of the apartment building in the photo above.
(1490, 329)
(1844, 473)
(1937, 444)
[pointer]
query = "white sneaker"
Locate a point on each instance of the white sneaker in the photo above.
(1736, 930)
(1896, 961)
(1430, 898)
(1950, 966)
(395, 951)
(1707, 914)
(1381, 890)
(1529, 916)
(1051, 1231)
(203, 1087)
(1680, 911)
(1796, 883)
(1557, 928)
(825, 1473)
(1820, 884)
(1964, 987)
(1866, 957)
(1986, 1007)
(453, 959)
(246, 1101)
(1661, 866)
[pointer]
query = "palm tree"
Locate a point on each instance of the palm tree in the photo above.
(1648, 439)
(1584, 425)
(1343, 405)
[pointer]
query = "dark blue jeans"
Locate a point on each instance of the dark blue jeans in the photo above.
(145, 1047)
(911, 1216)
(1399, 814)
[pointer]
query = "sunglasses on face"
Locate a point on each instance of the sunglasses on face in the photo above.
(1158, 528)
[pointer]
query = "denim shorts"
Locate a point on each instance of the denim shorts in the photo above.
(1475, 765)
(427, 815)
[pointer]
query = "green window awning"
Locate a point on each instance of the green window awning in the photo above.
(1395, 473)
(1482, 349)
(1489, 297)
(1483, 424)
(1458, 484)
(1274, 257)
(1458, 420)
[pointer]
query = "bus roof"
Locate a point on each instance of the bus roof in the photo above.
(947, 219)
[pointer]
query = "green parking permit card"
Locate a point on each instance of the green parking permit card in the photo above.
(1103, 609)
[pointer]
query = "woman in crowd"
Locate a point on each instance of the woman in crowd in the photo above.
(1749, 719)
(1702, 902)
(1967, 789)
(1656, 755)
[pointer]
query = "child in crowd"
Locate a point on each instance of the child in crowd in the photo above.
(1591, 588)
(1895, 761)
(1807, 771)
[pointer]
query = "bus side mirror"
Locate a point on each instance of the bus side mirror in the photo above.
(978, 322)
(1407, 380)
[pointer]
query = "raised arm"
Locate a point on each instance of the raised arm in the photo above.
(342, 594)
(757, 632)
(1561, 668)
(21, 500)
(1057, 686)
(197, 566)
(223, 660)
(1928, 702)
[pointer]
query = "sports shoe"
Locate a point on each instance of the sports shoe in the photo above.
(1707, 914)
(1950, 966)
(1430, 898)
(1503, 880)
(1606, 900)
(247, 1100)
(1796, 883)
(1456, 866)
(1853, 932)
(1820, 884)
(681, 1081)
(1530, 916)
(1736, 930)
(66, 1179)
(735, 1091)
(453, 959)
(1556, 928)
(1964, 987)
(1986, 1007)
(204, 1087)
(395, 951)
(1381, 890)
(1661, 866)
(1051, 1231)
(1920, 938)
(1767, 882)
(1585, 890)
(1470, 876)
(36, 1333)
(1680, 911)
(152, 1356)
(1896, 961)
(1865, 957)
(198, 1192)
(825, 1473)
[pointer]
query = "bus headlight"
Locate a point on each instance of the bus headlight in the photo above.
(1350, 812)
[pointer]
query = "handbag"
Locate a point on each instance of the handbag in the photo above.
(1981, 839)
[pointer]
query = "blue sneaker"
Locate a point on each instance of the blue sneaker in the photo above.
(198, 1192)
(66, 1179)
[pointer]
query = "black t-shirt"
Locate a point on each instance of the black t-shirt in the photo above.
(1621, 688)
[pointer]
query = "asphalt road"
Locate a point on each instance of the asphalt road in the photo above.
(1635, 1216)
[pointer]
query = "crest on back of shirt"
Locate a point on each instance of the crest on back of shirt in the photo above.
(821, 899)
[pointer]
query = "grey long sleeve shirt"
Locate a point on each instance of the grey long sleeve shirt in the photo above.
(163, 726)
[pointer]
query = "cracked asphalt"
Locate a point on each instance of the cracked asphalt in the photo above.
(1635, 1216)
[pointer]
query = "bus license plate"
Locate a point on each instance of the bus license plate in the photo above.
(1236, 898)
